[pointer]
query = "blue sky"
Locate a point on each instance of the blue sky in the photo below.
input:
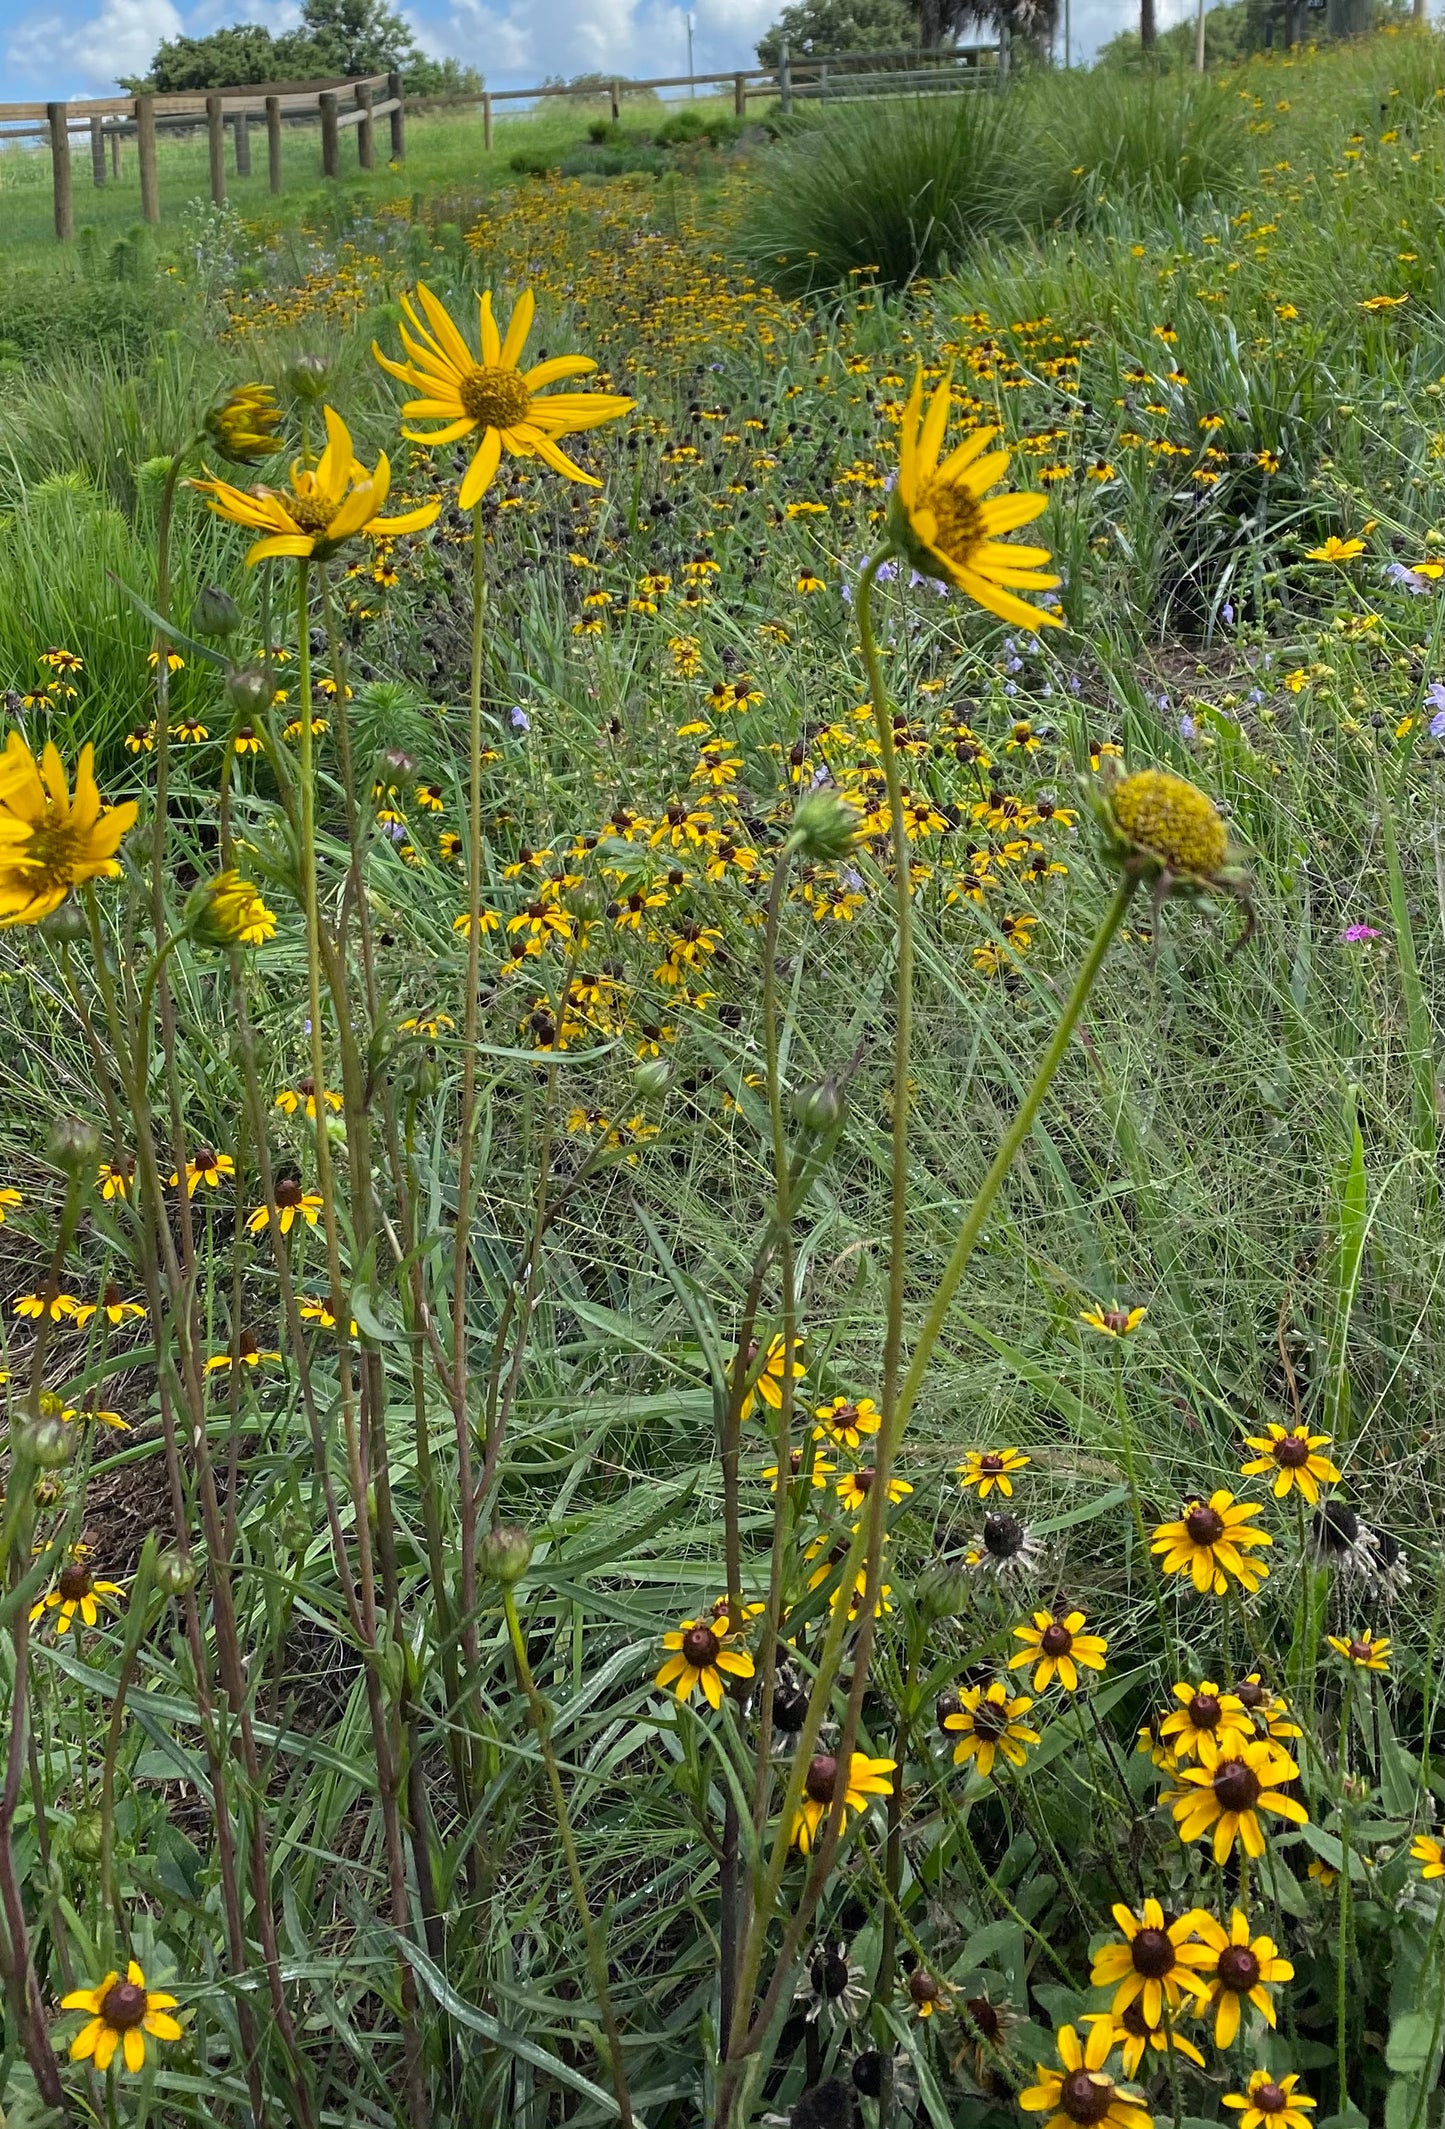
(59, 48)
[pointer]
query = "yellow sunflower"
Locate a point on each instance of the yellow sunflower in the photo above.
(1368, 1652)
(1292, 1454)
(1229, 1796)
(325, 505)
(49, 840)
(1154, 1965)
(1204, 1720)
(988, 1723)
(987, 1468)
(493, 395)
(700, 1655)
(1272, 2102)
(1058, 1645)
(1134, 2033)
(1209, 1540)
(121, 2015)
(1081, 2090)
(942, 522)
(863, 1779)
(1240, 1970)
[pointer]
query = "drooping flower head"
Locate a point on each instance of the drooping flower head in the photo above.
(490, 395)
(942, 518)
(244, 424)
(861, 1780)
(50, 841)
(327, 504)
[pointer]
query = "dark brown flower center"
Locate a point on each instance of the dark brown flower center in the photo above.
(1003, 1536)
(1238, 1969)
(1236, 1785)
(1359, 1652)
(990, 1463)
(74, 1583)
(863, 1479)
(700, 1646)
(498, 399)
(1152, 1953)
(1270, 2099)
(1083, 2100)
(1056, 1640)
(984, 2015)
(289, 1191)
(821, 1778)
(123, 2005)
(204, 1160)
(1293, 1451)
(1250, 1694)
(1204, 1524)
(990, 1718)
(922, 1987)
(830, 1974)
(1132, 2018)
(1205, 1711)
(1116, 1320)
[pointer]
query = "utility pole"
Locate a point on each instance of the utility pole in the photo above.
(692, 85)
(1068, 37)
(1199, 38)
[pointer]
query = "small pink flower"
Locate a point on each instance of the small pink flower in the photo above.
(1358, 935)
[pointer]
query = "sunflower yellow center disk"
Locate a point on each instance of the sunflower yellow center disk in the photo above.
(311, 512)
(497, 399)
(958, 522)
(1170, 817)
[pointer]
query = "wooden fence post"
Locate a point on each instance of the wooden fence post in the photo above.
(216, 130)
(57, 114)
(740, 96)
(97, 151)
(145, 148)
(785, 82)
(398, 118)
(115, 150)
(241, 124)
(487, 122)
(330, 137)
(273, 141)
(614, 91)
(365, 144)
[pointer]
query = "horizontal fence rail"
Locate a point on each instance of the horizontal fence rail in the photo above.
(341, 106)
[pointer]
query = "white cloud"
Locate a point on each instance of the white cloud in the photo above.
(62, 57)
(517, 43)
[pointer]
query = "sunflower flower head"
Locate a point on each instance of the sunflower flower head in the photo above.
(1161, 828)
(699, 1655)
(1210, 1541)
(1227, 1797)
(51, 840)
(326, 505)
(244, 424)
(228, 911)
(488, 395)
(122, 2013)
(943, 520)
(1080, 2091)
(1241, 1969)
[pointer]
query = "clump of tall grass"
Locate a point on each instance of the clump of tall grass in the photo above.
(1167, 144)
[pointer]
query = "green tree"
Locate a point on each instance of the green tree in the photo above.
(227, 59)
(353, 37)
(839, 26)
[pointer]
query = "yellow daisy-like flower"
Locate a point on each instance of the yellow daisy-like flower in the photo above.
(1368, 1653)
(1324, 1877)
(863, 1779)
(204, 1166)
(768, 1383)
(987, 1468)
(1135, 2035)
(700, 1655)
(303, 1095)
(1267, 1710)
(116, 1177)
(1272, 2102)
(112, 1305)
(1335, 550)
(1230, 1795)
(855, 1487)
(248, 1354)
(845, 1421)
(229, 911)
(819, 1471)
(1240, 1970)
(293, 1203)
(1080, 2090)
(1209, 1541)
(1114, 1322)
(326, 504)
(122, 2013)
(941, 519)
(50, 841)
(1292, 1454)
(492, 395)
(10, 1201)
(76, 1591)
(988, 1723)
(1058, 1645)
(1205, 1720)
(1429, 1854)
(49, 1301)
(1154, 1965)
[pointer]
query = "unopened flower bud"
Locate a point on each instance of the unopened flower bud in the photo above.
(308, 377)
(653, 1078)
(46, 1441)
(228, 911)
(65, 925)
(175, 1575)
(820, 1107)
(216, 612)
(249, 694)
(825, 827)
(73, 1145)
(86, 1836)
(506, 1553)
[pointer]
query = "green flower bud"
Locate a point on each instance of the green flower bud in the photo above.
(653, 1078)
(820, 1107)
(308, 378)
(65, 925)
(73, 1145)
(248, 694)
(85, 1838)
(825, 828)
(216, 613)
(176, 1575)
(505, 1553)
(46, 1441)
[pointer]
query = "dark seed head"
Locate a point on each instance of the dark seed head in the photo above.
(985, 2016)
(868, 2073)
(1084, 2101)
(1251, 1694)
(790, 1703)
(1055, 1640)
(1335, 1527)
(700, 1646)
(73, 1582)
(922, 1987)
(1238, 1969)
(1205, 1711)
(1236, 1785)
(1204, 1524)
(821, 1778)
(1003, 1536)
(123, 2005)
(1152, 1953)
(1270, 2099)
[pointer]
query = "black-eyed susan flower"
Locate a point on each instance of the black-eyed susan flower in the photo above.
(1157, 1963)
(984, 1469)
(249, 1353)
(189, 731)
(115, 1178)
(10, 1201)
(826, 1778)
(926, 1993)
(1114, 1322)
(76, 1593)
(506, 406)
(846, 1420)
(1293, 1455)
(942, 519)
(326, 1313)
(1367, 1652)
(205, 1166)
(303, 1094)
(1272, 2102)
(51, 841)
(293, 1203)
(1059, 1645)
(1209, 1541)
(1204, 1720)
(122, 2014)
(1429, 1854)
(1136, 2036)
(48, 1302)
(1241, 1970)
(700, 1656)
(88, 1409)
(988, 1722)
(1080, 2090)
(1229, 1797)
(112, 1305)
(855, 1486)
(327, 504)
(1322, 1875)
(832, 1982)
(767, 1384)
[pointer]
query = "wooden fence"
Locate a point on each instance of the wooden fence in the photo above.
(339, 105)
